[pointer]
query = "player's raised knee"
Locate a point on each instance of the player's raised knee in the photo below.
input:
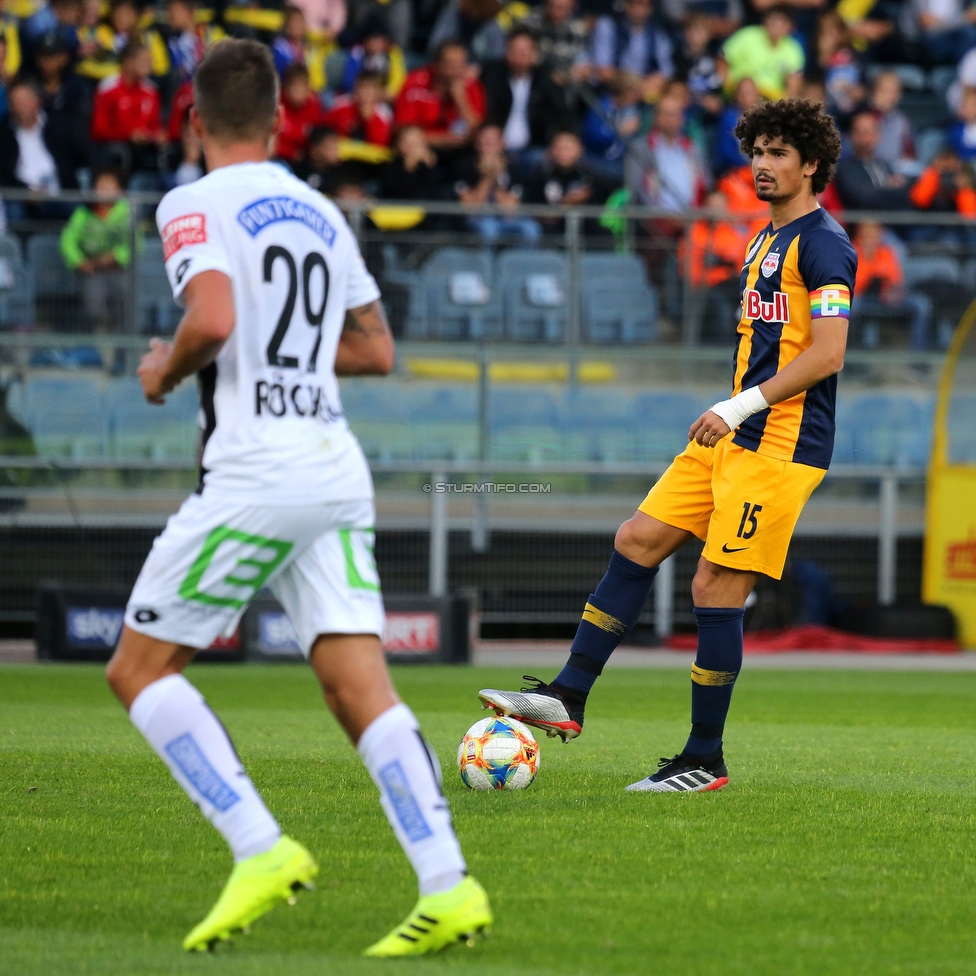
(630, 541)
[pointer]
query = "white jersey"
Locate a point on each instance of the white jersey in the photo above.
(270, 409)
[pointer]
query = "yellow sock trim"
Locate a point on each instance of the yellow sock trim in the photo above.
(702, 676)
(603, 620)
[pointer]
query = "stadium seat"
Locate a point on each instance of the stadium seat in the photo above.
(927, 143)
(617, 303)
(599, 425)
(913, 78)
(612, 265)
(155, 309)
(16, 286)
(462, 300)
(941, 79)
(844, 432)
(151, 252)
(377, 413)
(10, 249)
(415, 325)
(891, 429)
(662, 419)
(525, 423)
(619, 311)
(51, 277)
(444, 419)
(65, 417)
(138, 429)
(535, 289)
(930, 268)
(961, 429)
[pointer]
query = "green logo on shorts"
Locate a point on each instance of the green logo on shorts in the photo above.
(357, 546)
(258, 569)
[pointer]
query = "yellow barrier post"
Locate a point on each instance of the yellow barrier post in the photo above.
(949, 567)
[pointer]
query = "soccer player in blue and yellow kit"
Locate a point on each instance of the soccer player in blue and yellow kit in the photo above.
(752, 461)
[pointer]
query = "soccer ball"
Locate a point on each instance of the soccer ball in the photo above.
(498, 754)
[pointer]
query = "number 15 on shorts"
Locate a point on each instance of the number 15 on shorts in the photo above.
(749, 523)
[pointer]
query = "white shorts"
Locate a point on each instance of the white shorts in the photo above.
(215, 555)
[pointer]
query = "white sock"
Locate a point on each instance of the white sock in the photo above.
(408, 775)
(189, 738)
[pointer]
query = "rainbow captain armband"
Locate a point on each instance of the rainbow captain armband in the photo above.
(831, 302)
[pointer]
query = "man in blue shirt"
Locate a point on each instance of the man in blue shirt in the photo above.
(634, 42)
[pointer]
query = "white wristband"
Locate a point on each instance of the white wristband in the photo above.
(741, 407)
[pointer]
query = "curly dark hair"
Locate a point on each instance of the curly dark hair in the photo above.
(799, 123)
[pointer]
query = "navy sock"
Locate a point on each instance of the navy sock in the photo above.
(609, 615)
(713, 675)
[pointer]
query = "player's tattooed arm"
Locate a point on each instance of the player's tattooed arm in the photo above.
(366, 343)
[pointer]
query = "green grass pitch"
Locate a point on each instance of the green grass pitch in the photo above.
(844, 845)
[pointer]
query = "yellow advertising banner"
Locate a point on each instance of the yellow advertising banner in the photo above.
(949, 568)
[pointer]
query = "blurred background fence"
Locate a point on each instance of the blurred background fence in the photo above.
(571, 357)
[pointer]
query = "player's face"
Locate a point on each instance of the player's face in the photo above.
(777, 169)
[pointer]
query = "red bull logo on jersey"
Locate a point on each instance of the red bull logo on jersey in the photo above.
(769, 264)
(778, 310)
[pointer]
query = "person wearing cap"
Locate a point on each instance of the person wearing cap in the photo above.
(63, 95)
(376, 53)
(61, 17)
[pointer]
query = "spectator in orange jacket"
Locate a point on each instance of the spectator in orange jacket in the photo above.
(444, 99)
(714, 249)
(127, 125)
(363, 115)
(947, 186)
(879, 290)
(301, 111)
(709, 259)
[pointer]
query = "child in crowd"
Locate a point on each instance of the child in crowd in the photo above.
(486, 180)
(289, 46)
(726, 153)
(896, 141)
(300, 111)
(699, 65)
(610, 125)
(187, 41)
(363, 115)
(840, 65)
(96, 244)
(412, 175)
(962, 134)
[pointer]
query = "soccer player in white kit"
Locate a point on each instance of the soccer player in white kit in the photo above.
(277, 302)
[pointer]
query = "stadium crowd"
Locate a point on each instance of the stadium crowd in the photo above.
(478, 101)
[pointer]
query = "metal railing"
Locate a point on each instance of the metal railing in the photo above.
(575, 232)
(886, 529)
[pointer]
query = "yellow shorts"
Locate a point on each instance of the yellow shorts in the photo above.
(743, 505)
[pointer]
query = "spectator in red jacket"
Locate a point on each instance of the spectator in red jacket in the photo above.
(444, 99)
(301, 110)
(179, 111)
(363, 115)
(126, 122)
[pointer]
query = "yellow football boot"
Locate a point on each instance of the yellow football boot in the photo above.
(438, 921)
(255, 887)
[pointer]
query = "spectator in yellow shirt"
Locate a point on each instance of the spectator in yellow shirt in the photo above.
(768, 54)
